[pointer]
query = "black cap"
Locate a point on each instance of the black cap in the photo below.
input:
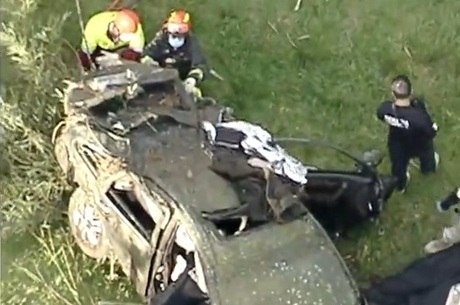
(401, 86)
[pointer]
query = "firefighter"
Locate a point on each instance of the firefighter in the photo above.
(177, 47)
(411, 131)
(117, 31)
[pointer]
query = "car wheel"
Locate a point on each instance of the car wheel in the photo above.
(87, 225)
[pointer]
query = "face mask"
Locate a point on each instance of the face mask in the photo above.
(176, 42)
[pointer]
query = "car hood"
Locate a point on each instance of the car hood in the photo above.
(293, 263)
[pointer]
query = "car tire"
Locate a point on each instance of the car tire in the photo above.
(87, 225)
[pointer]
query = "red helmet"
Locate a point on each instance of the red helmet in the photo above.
(178, 22)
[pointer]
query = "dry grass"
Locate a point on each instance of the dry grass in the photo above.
(34, 186)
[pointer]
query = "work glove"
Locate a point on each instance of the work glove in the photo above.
(190, 84)
(170, 61)
(108, 59)
(148, 61)
(130, 54)
(110, 55)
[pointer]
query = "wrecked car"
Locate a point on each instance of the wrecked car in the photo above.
(132, 146)
(273, 185)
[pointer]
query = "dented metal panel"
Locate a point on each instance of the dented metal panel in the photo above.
(174, 159)
(293, 263)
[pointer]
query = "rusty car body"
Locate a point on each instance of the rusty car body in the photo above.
(130, 146)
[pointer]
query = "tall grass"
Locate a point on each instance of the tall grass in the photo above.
(31, 109)
(40, 263)
(52, 270)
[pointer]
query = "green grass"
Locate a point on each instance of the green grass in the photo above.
(325, 87)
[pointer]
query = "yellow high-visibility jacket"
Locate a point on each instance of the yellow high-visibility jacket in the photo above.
(95, 35)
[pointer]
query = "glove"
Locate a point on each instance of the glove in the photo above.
(107, 59)
(190, 84)
(170, 61)
(148, 61)
(110, 55)
(130, 54)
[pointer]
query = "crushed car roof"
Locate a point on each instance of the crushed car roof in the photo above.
(172, 158)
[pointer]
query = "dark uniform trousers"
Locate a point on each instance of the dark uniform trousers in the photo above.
(400, 157)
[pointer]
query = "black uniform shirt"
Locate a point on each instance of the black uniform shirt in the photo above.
(186, 58)
(410, 127)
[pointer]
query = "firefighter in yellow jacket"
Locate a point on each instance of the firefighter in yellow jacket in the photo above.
(112, 31)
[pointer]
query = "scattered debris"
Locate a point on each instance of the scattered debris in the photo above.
(272, 26)
(407, 51)
(297, 5)
(303, 37)
(216, 75)
(291, 41)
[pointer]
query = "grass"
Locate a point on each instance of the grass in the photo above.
(325, 86)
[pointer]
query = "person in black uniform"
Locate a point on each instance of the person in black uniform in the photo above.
(411, 131)
(177, 47)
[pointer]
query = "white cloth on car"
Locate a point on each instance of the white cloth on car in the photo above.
(184, 241)
(454, 295)
(258, 142)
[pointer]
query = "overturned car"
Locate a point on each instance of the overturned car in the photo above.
(149, 195)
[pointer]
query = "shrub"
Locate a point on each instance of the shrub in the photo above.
(33, 68)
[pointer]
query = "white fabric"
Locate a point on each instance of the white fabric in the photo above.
(258, 141)
(210, 131)
(197, 274)
(454, 295)
(250, 130)
(179, 268)
(183, 240)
